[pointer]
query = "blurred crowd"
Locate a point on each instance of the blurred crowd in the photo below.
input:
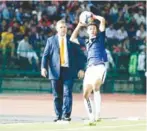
(26, 25)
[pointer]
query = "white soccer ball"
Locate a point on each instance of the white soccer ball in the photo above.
(85, 16)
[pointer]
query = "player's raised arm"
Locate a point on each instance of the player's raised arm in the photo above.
(102, 22)
(82, 22)
(75, 33)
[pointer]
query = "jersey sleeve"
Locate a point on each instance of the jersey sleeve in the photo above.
(102, 41)
(102, 37)
(82, 41)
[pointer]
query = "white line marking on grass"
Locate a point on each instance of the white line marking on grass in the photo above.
(100, 127)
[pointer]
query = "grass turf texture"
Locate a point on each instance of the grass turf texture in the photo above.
(104, 125)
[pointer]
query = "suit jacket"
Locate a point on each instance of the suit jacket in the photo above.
(51, 58)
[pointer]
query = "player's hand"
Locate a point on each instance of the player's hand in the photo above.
(89, 14)
(80, 24)
(43, 72)
(81, 74)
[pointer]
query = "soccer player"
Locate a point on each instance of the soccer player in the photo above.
(96, 58)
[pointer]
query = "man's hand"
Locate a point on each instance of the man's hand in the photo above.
(43, 72)
(81, 74)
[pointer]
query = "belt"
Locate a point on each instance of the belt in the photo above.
(95, 64)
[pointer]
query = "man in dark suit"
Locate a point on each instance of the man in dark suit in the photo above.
(59, 58)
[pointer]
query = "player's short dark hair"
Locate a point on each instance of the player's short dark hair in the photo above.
(93, 22)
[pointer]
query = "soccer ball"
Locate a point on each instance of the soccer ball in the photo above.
(85, 17)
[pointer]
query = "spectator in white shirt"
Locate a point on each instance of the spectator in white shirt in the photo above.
(114, 9)
(139, 18)
(141, 33)
(23, 47)
(110, 32)
(26, 55)
(22, 53)
(111, 36)
(114, 13)
(122, 34)
(141, 59)
(141, 68)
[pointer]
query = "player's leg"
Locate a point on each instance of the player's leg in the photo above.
(88, 102)
(97, 98)
(87, 89)
(100, 72)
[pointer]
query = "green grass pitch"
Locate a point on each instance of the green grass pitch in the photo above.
(104, 125)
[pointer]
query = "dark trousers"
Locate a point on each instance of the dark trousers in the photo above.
(62, 92)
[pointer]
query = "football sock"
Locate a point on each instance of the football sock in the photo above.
(97, 102)
(89, 108)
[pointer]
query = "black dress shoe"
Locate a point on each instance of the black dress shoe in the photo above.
(57, 119)
(66, 119)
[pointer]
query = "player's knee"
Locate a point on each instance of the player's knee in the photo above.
(97, 85)
(85, 95)
(87, 91)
